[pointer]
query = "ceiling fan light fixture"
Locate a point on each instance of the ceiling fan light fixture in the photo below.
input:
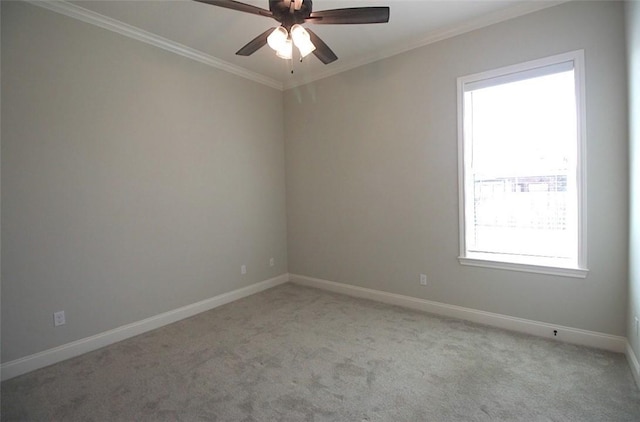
(278, 38)
(291, 13)
(302, 40)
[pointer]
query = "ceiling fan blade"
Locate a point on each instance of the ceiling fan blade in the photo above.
(236, 5)
(255, 44)
(322, 51)
(350, 16)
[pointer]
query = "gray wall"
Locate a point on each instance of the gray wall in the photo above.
(134, 181)
(633, 58)
(371, 160)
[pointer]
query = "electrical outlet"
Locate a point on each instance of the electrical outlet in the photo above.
(272, 262)
(243, 269)
(423, 279)
(59, 319)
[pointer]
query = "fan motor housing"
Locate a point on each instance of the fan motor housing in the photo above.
(283, 14)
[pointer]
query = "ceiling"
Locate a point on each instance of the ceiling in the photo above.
(213, 34)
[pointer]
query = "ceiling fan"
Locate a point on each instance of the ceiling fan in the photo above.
(291, 14)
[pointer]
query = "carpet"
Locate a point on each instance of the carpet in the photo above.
(294, 353)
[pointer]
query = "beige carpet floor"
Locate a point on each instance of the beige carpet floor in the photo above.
(294, 353)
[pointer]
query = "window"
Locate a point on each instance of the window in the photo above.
(521, 164)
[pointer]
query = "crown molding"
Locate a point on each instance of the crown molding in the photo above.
(74, 11)
(515, 11)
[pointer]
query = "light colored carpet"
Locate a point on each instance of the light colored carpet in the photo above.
(294, 353)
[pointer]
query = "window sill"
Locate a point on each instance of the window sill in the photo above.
(528, 268)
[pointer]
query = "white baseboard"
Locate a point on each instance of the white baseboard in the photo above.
(540, 329)
(633, 363)
(48, 357)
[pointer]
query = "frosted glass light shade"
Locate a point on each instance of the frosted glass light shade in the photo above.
(286, 50)
(278, 38)
(302, 40)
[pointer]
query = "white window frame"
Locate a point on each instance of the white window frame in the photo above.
(503, 75)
